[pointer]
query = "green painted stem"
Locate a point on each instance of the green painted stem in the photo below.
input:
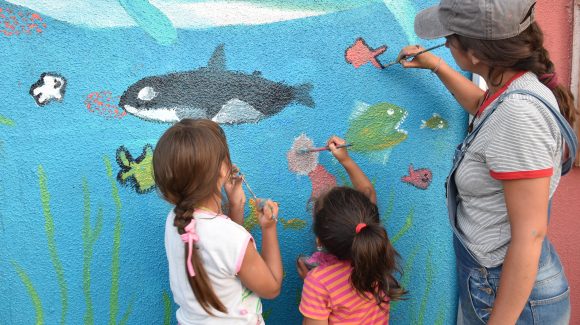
(429, 281)
(31, 292)
(6, 121)
(406, 227)
(166, 308)
(115, 263)
(89, 238)
(49, 228)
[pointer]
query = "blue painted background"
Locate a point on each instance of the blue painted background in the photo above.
(72, 144)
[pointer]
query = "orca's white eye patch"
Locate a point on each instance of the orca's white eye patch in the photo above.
(147, 94)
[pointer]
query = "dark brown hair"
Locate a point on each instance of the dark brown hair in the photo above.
(523, 52)
(186, 165)
(373, 257)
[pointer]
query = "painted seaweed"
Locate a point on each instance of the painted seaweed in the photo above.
(115, 262)
(49, 228)
(31, 292)
(90, 236)
(166, 308)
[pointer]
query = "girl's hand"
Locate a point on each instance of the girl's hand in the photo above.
(425, 60)
(301, 268)
(234, 190)
(268, 215)
(341, 154)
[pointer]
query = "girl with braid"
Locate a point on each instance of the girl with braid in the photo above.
(508, 167)
(215, 272)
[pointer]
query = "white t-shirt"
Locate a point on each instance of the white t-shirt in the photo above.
(222, 245)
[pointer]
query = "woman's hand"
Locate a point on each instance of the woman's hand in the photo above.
(425, 60)
(267, 213)
(341, 154)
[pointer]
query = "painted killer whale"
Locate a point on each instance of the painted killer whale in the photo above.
(212, 92)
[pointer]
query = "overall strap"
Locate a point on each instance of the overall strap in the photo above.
(565, 129)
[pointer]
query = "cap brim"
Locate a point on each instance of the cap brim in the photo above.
(429, 26)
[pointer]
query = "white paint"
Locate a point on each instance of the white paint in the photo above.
(359, 109)
(109, 13)
(224, 13)
(167, 115)
(47, 90)
(147, 94)
(237, 111)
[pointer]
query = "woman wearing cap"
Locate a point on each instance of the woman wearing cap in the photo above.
(508, 167)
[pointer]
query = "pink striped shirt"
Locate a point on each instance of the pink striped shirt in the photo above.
(328, 294)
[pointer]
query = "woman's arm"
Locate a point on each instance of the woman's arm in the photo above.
(359, 180)
(465, 92)
(527, 206)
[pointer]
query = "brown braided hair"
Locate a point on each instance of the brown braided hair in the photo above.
(187, 165)
(525, 52)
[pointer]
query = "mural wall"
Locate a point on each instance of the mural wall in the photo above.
(89, 87)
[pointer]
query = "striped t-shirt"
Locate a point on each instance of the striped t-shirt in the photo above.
(521, 140)
(328, 295)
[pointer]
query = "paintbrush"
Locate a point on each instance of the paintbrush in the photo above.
(262, 202)
(413, 55)
(307, 150)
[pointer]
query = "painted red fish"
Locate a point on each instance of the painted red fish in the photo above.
(322, 181)
(14, 23)
(360, 53)
(104, 104)
(420, 178)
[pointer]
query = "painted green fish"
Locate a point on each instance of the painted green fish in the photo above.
(436, 122)
(138, 173)
(376, 128)
(295, 224)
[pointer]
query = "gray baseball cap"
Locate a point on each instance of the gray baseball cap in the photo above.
(480, 19)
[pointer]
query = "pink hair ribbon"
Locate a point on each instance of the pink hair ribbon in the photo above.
(190, 237)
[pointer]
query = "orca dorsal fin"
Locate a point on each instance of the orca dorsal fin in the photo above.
(218, 59)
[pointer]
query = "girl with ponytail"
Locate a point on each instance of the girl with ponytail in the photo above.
(356, 281)
(216, 274)
(508, 167)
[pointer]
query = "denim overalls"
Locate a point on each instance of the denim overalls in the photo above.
(549, 302)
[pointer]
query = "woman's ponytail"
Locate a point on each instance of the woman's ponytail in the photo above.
(544, 68)
(374, 262)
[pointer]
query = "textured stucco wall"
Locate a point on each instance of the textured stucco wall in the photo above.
(81, 227)
(556, 19)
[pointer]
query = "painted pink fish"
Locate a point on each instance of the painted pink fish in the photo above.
(360, 53)
(420, 178)
(322, 181)
(14, 23)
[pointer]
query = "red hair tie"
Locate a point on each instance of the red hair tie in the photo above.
(550, 80)
(360, 227)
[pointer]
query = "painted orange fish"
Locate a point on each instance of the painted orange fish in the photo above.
(360, 53)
